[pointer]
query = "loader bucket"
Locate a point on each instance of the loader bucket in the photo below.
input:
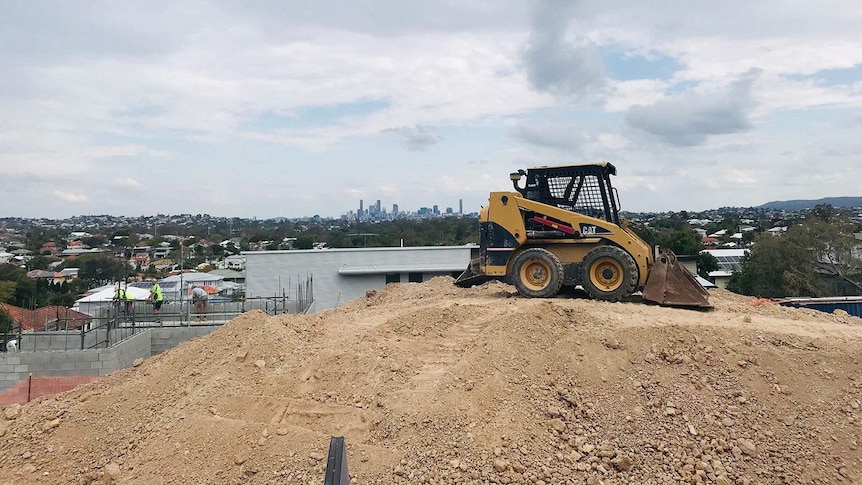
(473, 275)
(468, 278)
(670, 284)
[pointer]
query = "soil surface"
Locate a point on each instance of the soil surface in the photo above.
(434, 384)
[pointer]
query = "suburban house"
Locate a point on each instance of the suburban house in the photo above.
(140, 256)
(49, 247)
(53, 277)
(70, 273)
(233, 281)
(161, 251)
(729, 261)
(47, 318)
(79, 251)
(235, 262)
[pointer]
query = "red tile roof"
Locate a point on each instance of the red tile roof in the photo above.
(41, 273)
(34, 320)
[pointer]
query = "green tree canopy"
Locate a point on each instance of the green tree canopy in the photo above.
(795, 263)
(684, 241)
(17, 288)
(779, 266)
(304, 241)
(832, 237)
(99, 269)
(6, 321)
(706, 263)
(39, 262)
(96, 241)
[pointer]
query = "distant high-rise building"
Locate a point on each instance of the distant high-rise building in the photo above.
(394, 210)
(361, 210)
(436, 209)
(460, 206)
(378, 206)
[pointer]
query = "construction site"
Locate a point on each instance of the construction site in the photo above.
(435, 384)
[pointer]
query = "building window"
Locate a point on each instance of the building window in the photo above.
(414, 277)
(393, 278)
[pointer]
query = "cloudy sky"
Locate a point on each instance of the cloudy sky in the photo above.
(274, 108)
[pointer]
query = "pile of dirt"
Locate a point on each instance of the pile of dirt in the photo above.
(434, 384)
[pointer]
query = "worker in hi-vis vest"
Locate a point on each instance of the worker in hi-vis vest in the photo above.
(157, 297)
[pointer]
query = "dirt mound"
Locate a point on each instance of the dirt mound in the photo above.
(435, 384)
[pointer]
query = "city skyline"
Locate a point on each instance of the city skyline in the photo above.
(275, 109)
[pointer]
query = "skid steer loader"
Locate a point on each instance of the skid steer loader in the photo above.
(562, 228)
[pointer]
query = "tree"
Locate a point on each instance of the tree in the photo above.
(6, 321)
(39, 262)
(96, 241)
(706, 263)
(824, 212)
(100, 269)
(778, 266)
(304, 241)
(20, 289)
(831, 236)
(683, 241)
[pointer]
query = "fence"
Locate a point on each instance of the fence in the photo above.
(116, 321)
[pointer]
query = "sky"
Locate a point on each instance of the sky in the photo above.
(267, 108)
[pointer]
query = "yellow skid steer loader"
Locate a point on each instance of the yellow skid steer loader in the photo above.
(562, 228)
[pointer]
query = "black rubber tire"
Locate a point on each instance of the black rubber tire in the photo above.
(610, 273)
(537, 273)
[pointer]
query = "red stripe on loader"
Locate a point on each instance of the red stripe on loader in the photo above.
(554, 225)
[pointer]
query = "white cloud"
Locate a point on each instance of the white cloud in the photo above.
(128, 183)
(228, 98)
(689, 118)
(418, 137)
(70, 197)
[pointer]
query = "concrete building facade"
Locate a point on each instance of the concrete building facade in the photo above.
(340, 275)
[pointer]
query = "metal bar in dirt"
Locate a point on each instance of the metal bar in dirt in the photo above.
(336, 463)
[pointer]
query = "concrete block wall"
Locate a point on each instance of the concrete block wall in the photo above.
(45, 341)
(16, 366)
(165, 338)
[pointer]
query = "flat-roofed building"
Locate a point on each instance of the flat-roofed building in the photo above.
(340, 275)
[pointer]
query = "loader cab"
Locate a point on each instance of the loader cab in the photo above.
(585, 189)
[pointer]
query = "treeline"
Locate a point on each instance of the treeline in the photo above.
(18, 289)
(449, 231)
(819, 257)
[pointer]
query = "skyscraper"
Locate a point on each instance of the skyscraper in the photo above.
(460, 206)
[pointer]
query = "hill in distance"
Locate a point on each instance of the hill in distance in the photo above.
(792, 205)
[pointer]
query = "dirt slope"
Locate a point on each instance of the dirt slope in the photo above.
(434, 384)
